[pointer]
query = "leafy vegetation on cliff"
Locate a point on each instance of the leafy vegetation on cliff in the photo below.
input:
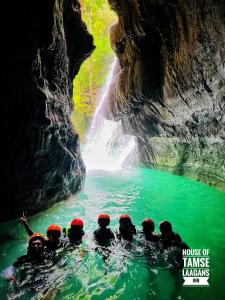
(88, 83)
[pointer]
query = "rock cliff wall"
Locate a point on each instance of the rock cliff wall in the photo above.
(169, 88)
(44, 43)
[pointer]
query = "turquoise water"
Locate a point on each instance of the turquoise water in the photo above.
(195, 210)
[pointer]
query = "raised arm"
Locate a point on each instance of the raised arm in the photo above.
(23, 220)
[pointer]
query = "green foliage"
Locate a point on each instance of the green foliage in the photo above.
(81, 123)
(89, 81)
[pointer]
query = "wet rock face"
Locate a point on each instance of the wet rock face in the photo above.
(169, 89)
(44, 43)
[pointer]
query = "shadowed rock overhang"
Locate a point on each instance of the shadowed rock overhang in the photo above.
(44, 43)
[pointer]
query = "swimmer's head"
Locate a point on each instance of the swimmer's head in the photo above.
(125, 219)
(76, 232)
(165, 227)
(148, 225)
(36, 236)
(54, 233)
(36, 243)
(126, 225)
(103, 220)
(77, 223)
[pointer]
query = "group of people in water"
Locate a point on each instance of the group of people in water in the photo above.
(41, 249)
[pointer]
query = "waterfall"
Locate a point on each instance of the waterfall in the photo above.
(107, 147)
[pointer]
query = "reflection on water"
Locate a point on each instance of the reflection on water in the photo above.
(128, 273)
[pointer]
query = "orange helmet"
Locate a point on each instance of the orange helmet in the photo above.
(77, 222)
(54, 227)
(37, 235)
(104, 216)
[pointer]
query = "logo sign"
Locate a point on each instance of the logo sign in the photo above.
(196, 267)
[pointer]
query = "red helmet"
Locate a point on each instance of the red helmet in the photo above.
(77, 222)
(37, 235)
(54, 227)
(104, 216)
(148, 223)
(124, 216)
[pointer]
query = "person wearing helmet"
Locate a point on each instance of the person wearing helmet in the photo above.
(148, 227)
(168, 237)
(149, 243)
(75, 233)
(54, 237)
(171, 244)
(103, 235)
(53, 233)
(126, 228)
(35, 255)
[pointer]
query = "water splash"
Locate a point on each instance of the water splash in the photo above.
(107, 147)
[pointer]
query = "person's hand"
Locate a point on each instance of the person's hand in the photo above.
(23, 219)
(10, 277)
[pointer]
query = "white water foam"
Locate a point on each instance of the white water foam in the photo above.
(107, 147)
